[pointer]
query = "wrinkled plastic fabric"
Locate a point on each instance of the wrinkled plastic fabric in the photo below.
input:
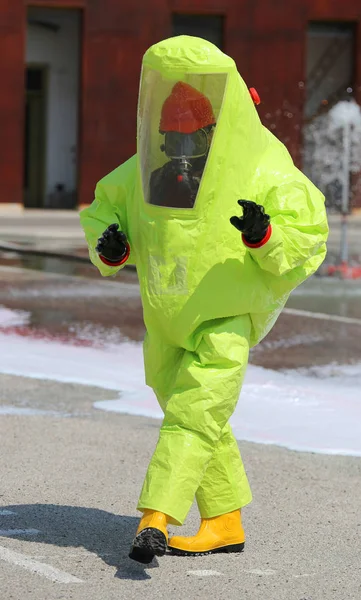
(198, 391)
(206, 297)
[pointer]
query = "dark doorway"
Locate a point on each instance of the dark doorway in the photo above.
(330, 74)
(330, 64)
(34, 136)
(52, 59)
(209, 27)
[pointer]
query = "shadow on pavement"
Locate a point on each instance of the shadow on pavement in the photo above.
(98, 531)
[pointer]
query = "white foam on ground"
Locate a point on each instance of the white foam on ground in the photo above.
(293, 409)
(13, 318)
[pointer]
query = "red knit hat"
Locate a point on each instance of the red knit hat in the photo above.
(186, 110)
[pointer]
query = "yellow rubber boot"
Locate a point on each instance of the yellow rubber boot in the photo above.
(219, 534)
(151, 538)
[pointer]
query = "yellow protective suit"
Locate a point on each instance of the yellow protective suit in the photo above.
(207, 298)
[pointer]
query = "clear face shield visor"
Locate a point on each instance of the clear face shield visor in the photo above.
(176, 121)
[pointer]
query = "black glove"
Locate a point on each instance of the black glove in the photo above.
(254, 222)
(112, 244)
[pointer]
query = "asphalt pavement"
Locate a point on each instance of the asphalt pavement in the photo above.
(70, 478)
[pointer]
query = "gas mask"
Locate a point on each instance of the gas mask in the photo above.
(188, 154)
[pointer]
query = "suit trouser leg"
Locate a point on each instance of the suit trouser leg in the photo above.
(205, 386)
(224, 487)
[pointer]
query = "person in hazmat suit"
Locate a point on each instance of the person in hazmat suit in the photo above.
(214, 276)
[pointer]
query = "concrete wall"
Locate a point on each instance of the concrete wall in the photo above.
(59, 51)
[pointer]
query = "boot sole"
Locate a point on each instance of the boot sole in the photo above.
(147, 544)
(223, 549)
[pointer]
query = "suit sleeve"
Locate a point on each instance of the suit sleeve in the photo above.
(95, 219)
(112, 194)
(298, 233)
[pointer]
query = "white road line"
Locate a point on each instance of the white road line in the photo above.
(4, 512)
(9, 532)
(15, 558)
(323, 316)
(204, 573)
